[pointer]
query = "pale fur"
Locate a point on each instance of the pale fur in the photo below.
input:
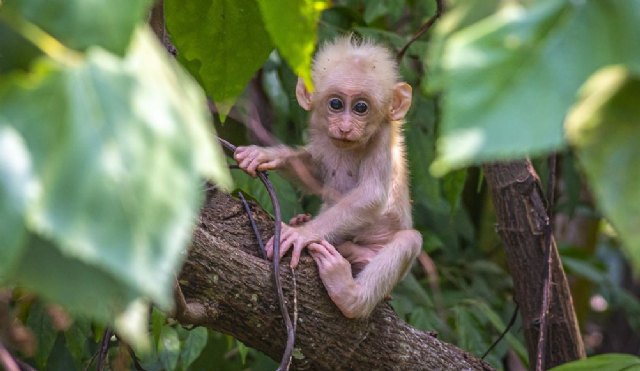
(366, 212)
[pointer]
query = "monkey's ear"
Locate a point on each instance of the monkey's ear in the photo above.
(303, 95)
(401, 101)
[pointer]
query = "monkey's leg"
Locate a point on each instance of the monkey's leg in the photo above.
(357, 297)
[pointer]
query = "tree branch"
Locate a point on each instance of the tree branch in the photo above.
(523, 225)
(229, 282)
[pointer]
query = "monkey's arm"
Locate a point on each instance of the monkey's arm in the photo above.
(294, 163)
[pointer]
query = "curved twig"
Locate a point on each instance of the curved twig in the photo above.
(288, 351)
(512, 321)
(424, 28)
(256, 232)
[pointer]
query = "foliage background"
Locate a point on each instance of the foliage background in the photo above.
(110, 117)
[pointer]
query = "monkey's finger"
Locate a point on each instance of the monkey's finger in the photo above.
(319, 249)
(240, 153)
(270, 165)
(285, 245)
(295, 255)
(244, 164)
(319, 261)
(253, 165)
(330, 248)
(269, 248)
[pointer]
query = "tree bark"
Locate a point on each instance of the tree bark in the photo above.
(522, 219)
(228, 287)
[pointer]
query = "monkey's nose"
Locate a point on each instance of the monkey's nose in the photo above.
(344, 130)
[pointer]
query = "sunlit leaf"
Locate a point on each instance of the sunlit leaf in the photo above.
(605, 127)
(80, 24)
(221, 42)
(510, 79)
(294, 31)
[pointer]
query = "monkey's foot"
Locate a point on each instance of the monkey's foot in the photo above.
(299, 219)
(335, 272)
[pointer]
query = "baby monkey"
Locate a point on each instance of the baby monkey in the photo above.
(362, 240)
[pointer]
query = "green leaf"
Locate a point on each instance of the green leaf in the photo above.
(604, 127)
(293, 26)
(510, 79)
(602, 362)
(42, 326)
(221, 42)
(169, 348)
(117, 149)
(193, 346)
(80, 24)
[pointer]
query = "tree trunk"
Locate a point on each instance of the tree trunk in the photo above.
(229, 288)
(522, 218)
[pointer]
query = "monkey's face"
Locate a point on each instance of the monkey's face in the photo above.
(351, 117)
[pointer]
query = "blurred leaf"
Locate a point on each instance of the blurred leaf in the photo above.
(374, 9)
(468, 331)
(111, 154)
(15, 51)
(602, 362)
(452, 187)
(604, 126)
(16, 187)
(500, 326)
(80, 24)
(77, 339)
(286, 192)
(294, 31)
(169, 348)
(60, 357)
(42, 327)
(243, 351)
(584, 269)
(221, 42)
(80, 287)
(524, 66)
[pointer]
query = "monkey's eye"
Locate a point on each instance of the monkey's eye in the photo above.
(360, 108)
(336, 104)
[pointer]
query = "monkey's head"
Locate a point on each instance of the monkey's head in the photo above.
(357, 91)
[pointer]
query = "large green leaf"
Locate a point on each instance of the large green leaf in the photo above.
(509, 79)
(602, 362)
(605, 127)
(221, 42)
(111, 153)
(294, 30)
(80, 24)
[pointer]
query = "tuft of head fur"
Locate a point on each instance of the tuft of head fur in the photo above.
(349, 56)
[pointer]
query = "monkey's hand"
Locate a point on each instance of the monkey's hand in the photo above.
(292, 237)
(254, 158)
(335, 272)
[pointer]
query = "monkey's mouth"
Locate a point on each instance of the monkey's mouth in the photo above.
(343, 142)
